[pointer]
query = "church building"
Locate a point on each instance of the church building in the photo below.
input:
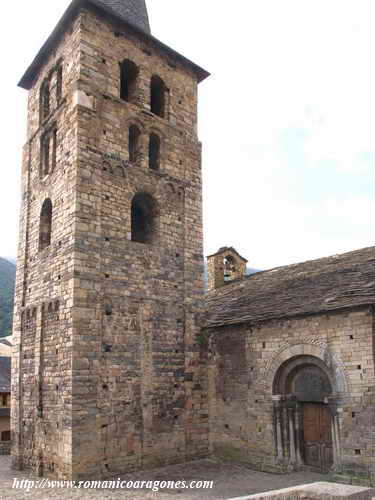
(121, 361)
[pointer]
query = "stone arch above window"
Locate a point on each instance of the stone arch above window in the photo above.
(154, 150)
(158, 97)
(45, 225)
(128, 81)
(143, 218)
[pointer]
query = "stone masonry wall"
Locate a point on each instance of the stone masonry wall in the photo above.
(139, 393)
(244, 362)
(41, 414)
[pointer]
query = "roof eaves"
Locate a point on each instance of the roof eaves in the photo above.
(300, 314)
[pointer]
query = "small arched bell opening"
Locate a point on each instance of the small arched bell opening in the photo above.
(305, 426)
(45, 225)
(128, 81)
(154, 152)
(158, 92)
(143, 219)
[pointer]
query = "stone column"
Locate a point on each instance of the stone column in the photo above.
(335, 429)
(292, 443)
(277, 410)
(298, 424)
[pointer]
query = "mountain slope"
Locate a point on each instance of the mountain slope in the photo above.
(7, 279)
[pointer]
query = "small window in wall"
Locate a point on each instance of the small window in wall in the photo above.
(45, 100)
(45, 225)
(143, 218)
(128, 84)
(158, 92)
(134, 140)
(154, 152)
(5, 436)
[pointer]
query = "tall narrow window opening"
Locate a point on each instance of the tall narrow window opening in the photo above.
(44, 100)
(154, 152)
(134, 140)
(158, 96)
(45, 225)
(58, 84)
(143, 218)
(128, 86)
(45, 154)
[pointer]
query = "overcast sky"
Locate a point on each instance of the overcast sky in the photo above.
(287, 119)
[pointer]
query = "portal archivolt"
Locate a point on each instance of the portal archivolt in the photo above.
(305, 414)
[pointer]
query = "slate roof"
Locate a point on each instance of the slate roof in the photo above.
(316, 286)
(5, 373)
(133, 13)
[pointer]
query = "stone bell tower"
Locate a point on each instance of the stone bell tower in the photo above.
(225, 266)
(106, 371)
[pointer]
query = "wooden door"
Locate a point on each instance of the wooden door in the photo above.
(317, 436)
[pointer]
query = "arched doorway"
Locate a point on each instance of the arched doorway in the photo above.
(304, 424)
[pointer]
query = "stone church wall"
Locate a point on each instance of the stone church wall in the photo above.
(243, 365)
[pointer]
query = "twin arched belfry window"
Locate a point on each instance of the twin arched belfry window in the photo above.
(135, 148)
(129, 85)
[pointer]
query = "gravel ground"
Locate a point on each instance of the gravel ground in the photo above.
(230, 481)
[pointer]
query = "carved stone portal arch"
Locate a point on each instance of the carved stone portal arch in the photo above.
(305, 411)
(310, 347)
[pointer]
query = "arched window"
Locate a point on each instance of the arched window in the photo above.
(158, 91)
(134, 140)
(143, 218)
(44, 100)
(128, 81)
(45, 225)
(154, 152)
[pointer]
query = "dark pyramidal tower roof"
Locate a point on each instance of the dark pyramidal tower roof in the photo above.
(133, 12)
